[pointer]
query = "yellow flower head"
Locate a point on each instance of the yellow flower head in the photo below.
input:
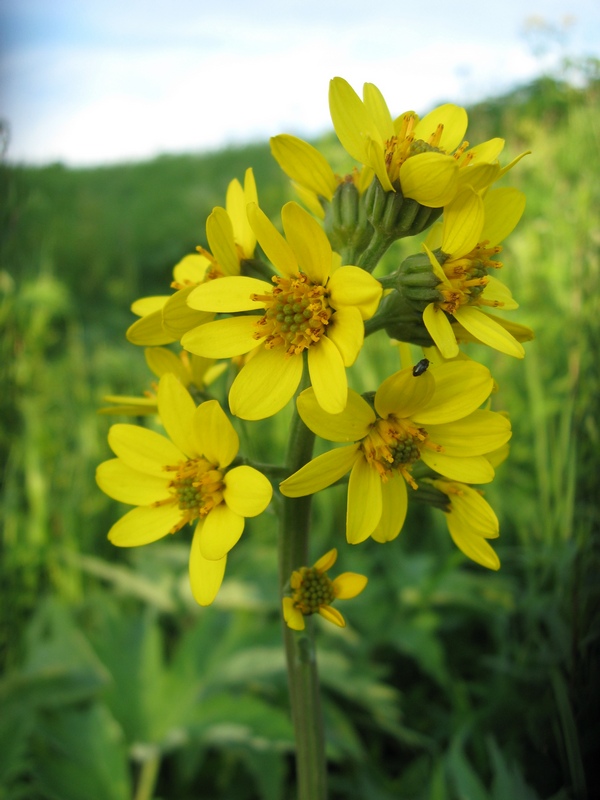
(313, 592)
(166, 318)
(313, 308)
(472, 231)
(471, 521)
(426, 159)
(432, 417)
(183, 479)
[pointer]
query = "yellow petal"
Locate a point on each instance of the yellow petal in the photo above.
(223, 338)
(375, 158)
(143, 450)
(149, 331)
(236, 201)
(452, 118)
(219, 232)
(489, 332)
(460, 388)
(478, 176)
(220, 533)
(179, 318)
(277, 250)
(378, 111)
(351, 119)
(160, 361)
(352, 286)
(440, 329)
(320, 472)
(304, 164)
(364, 501)
(206, 576)
(483, 152)
(191, 269)
(474, 547)
(403, 394)
(503, 209)
(127, 485)
(293, 617)
(480, 433)
(176, 409)
(265, 384)
(497, 292)
(229, 294)
(429, 178)
(475, 469)
(310, 200)
(332, 615)
(214, 435)
(148, 305)
(328, 376)
(347, 332)
(436, 266)
(308, 241)
(327, 561)
(144, 525)
(350, 425)
(394, 507)
(349, 585)
(247, 491)
(463, 222)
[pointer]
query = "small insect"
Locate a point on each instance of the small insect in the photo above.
(420, 367)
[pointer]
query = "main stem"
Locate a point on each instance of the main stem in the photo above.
(305, 699)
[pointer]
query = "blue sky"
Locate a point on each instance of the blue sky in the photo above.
(89, 82)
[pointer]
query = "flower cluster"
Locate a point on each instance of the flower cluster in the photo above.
(286, 314)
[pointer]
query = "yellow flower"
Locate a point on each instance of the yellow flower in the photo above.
(314, 591)
(471, 233)
(193, 372)
(165, 318)
(471, 521)
(433, 417)
(313, 308)
(426, 159)
(312, 177)
(183, 479)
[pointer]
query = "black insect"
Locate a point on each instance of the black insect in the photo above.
(420, 367)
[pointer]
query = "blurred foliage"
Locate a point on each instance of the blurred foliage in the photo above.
(449, 682)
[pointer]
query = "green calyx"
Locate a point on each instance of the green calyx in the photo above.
(396, 216)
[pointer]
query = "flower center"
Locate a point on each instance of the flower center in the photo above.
(297, 313)
(468, 276)
(314, 591)
(197, 487)
(395, 444)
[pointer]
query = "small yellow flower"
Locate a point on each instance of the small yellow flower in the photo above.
(314, 307)
(472, 231)
(471, 521)
(433, 417)
(426, 159)
(183, 479)
(313, 592)
(166, 318)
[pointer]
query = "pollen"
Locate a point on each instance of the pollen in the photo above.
(394, 445)
(468, 276)
(312, 590)
(297, 314)
(197, 487)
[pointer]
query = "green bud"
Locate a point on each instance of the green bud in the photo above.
(417, 282)
(346, 223)
(395, 216)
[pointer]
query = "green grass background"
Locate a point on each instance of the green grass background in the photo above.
(450, 682)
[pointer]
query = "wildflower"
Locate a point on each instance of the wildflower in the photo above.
(166, 318)
(471, 521)
(314, 591)
(314, 307)
(425, 159)
(183, 479)
(433, 419)
(472, 231)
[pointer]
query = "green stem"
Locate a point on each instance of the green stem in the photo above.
(147, 779)
(378, 245)
(311, 768)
